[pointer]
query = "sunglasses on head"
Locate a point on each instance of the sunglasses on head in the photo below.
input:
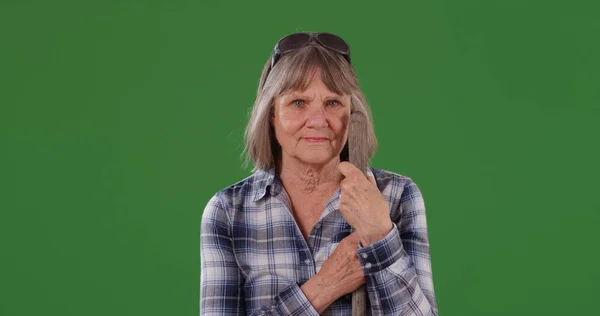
(298, 40)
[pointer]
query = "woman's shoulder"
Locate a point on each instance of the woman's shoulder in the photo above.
(398, 188)
(246, 189)
(387, 178)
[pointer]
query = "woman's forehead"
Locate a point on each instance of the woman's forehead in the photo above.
(310, 95)
(299, 79)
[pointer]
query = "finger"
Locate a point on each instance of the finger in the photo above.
(353, 238)
(372, 180)
(347, 169)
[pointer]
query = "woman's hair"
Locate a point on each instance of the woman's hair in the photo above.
(292, 73)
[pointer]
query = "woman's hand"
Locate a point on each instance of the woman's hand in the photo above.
(362, 205)
(339, 275)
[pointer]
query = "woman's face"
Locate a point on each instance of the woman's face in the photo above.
(311, 126)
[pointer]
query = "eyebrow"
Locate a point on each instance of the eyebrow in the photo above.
(297, 95)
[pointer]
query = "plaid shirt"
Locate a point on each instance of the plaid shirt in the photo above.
(254, 258)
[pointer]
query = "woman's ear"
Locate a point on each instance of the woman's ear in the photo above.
(272, 118)
(272, 111)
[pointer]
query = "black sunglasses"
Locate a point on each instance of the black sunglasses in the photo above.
(298, 40)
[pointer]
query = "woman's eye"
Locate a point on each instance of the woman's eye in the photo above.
(300, 102)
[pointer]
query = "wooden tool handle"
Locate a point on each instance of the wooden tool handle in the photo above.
(359, 304)
(357, 155)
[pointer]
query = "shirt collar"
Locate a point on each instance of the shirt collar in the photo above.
(264, 180)
(269, 179)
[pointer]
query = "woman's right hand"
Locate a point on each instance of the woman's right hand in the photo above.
(342, 270)
(339, 275)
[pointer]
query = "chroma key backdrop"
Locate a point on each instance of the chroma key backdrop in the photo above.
(120, 119)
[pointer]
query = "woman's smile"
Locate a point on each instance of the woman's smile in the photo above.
(316, 139)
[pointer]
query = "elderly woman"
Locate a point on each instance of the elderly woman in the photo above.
(308, 228)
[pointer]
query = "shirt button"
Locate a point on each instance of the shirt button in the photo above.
(307, 261)
(364, 255)
(368, 265)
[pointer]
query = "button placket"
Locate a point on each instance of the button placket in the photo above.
(307, 269)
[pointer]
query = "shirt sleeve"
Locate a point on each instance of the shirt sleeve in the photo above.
(398, 267)
(290, 301)
(221, 280)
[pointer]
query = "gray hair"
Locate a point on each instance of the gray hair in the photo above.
(292, 73)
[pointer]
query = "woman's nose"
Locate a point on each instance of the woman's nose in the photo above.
(316, 118)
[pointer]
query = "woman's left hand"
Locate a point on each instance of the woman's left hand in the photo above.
(362, 205)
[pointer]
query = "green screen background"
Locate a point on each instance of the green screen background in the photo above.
(120, 119)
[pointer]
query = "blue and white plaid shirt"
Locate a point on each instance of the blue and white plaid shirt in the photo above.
(254, 258)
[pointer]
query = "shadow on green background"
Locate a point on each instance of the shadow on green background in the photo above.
(120, 119)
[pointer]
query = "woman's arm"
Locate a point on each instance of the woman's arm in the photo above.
(221, 280)
(398, 267)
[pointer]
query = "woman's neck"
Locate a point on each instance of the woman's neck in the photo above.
(303, 178)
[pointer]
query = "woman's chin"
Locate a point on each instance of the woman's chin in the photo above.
(317, 159)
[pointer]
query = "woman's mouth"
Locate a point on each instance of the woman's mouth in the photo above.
(316, 139)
